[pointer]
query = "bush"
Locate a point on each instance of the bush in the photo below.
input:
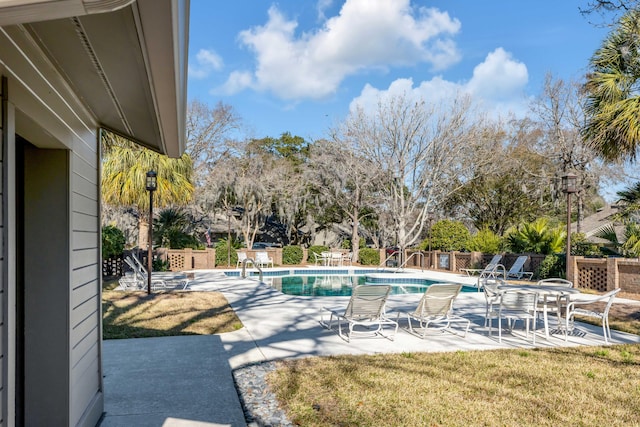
(552, 266)
(369, 256)
(582, 247)
(448, 235)
(112, 241)
(222, 248)
(485, 241)
(292, 255)
(160, 265)
(316, 249)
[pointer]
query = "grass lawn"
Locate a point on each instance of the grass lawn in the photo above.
(570, 386)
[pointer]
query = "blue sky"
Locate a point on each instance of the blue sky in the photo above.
(298, 66)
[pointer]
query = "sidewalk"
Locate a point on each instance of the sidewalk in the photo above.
(183, 381)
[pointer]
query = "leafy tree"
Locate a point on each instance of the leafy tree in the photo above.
(485, 241)
(536, 237)
(124, 169)
(448, 235)
(630, 247)
(172, 229)
(112, 241)
(613, 102)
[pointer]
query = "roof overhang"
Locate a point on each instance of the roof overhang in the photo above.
(125, 59)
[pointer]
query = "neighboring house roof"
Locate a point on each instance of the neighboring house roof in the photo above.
(594, 223)
(126, 60)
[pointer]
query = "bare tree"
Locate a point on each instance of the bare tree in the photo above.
(559, 110)
(208, 130)
(347, 179)
(424, 152)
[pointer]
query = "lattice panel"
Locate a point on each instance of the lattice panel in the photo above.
(593, 277)
(176, 261)
(463, 261)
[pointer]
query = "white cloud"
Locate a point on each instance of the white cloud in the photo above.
(497, 83)
(365, 35)
(206, 62)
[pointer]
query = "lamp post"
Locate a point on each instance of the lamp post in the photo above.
(568, 187)
(152, 184)
(228, 237)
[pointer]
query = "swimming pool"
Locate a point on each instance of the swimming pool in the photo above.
(341, 285)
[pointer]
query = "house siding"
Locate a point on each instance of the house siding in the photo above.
(43, 98)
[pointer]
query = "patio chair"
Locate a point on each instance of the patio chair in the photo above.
(517, 305)
(436, 308)
(603, 315)
(365, 313)
(263, 259)
(560, 302)
(136, 280)
(517, 269)
(159, 279)
(241, 257)
(489, 267)
(492, 298)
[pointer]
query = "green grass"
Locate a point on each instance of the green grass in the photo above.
(569, 386)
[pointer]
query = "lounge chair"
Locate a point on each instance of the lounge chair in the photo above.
(436, 308)
(159, 279)
(495, 261)
(517, 269)
(365, 313)
(136, 280)
(603, 315)
(263, 259)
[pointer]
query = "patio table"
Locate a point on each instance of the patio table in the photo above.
(545, 291)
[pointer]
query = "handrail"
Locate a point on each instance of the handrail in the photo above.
(384, 263)
(244, 268)
(420, 254)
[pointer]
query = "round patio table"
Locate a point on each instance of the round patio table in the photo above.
(545, 291)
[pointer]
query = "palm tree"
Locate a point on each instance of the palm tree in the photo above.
(124, 170)
(613, 102)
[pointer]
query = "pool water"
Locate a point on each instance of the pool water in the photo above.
(334, 285)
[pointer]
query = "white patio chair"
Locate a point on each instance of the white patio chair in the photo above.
(517, 305)
(241, 257)
(263, 259)
(492, 298)
(603, 315)
(488, 268)
(436, 308)
(364, 314)
(517, 269)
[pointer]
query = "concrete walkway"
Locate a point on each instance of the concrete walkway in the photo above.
(187, 381)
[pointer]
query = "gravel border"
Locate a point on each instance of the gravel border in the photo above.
(260, 406)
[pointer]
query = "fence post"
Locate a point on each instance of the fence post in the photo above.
(613, 275)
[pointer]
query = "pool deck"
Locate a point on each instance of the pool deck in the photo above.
(280, 326)
(187, 381)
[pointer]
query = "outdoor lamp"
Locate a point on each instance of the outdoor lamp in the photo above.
(569, 187)
(152, 184)
(569, 183)
(152, 181)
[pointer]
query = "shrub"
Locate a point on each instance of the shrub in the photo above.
(537, 237)
(292, 255)
(316, 249)
(160, 265)
(448, 235)
(112, 241)
(552, 266)
(582, 247)
(222, 248)
(369, 256)
(485, 241)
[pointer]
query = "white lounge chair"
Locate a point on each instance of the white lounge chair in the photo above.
(159, 279)
(436, 308)
(603, 315)
(263, 259)
(136, 280)
(365, 313)
(517, 269)
(495, 261)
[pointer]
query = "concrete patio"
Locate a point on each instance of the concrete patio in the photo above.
(194, 386)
